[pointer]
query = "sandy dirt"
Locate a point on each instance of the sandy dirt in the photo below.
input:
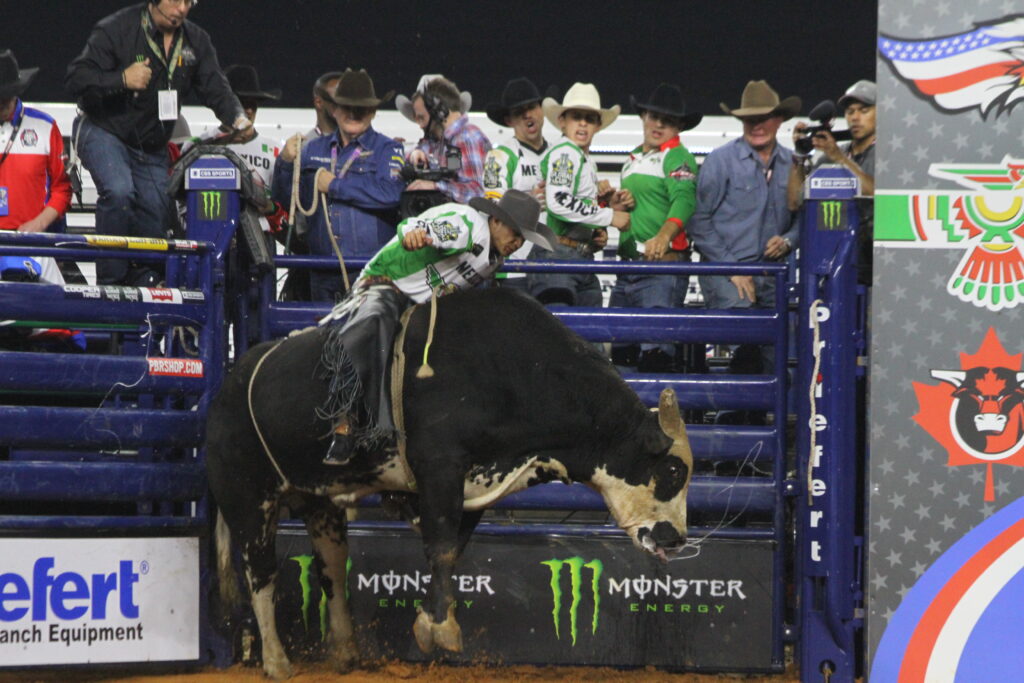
(397, 671)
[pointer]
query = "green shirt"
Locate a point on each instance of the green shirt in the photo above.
(664, 185)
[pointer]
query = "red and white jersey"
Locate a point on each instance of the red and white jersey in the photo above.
(33, 174)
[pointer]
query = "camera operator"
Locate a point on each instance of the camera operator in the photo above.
(447, 134)
(858, 106)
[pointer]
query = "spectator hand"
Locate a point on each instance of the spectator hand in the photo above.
(418, 158)
(798, 132)
(776, 248)
(827, 144)
(539, 194)
(421, 185)
(291, 148)
(604, 191)
(656, 247)
(243, 130)
(416, 239)
(34, 225)
(600, 238)
(620, 220)
(745, 287)
(323, 180)
(622, 200)
(138, 75)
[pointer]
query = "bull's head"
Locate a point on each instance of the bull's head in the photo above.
(991, 392)
(647, 496)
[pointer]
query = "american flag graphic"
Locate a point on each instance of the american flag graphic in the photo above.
(981, 69)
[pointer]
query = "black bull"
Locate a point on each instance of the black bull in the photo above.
(516, 399)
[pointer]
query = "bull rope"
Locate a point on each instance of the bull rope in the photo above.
(296, 203)
(252, 415)
(397, 413)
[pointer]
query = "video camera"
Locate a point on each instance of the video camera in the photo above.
(415, 202)
(448, 171)
(823, 113)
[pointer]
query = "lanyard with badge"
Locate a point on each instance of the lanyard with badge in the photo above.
(5, 205)
(167, 100)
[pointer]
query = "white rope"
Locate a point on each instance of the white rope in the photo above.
(255, 424)
(296, 203)
(812, 385)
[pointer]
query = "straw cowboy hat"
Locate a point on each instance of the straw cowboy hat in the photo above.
(245, 83)
(355, 89)
(13, 80)
(759, 100)
(404, 104)
(582, 96)
(519, 211)
(668, 99)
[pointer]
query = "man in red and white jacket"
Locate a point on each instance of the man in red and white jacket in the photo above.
(34, 186)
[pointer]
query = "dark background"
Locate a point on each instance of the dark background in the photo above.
(711, 48)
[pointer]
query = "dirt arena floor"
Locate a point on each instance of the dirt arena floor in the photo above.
(398, 671)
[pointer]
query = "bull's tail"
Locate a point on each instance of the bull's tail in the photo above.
(230, 596)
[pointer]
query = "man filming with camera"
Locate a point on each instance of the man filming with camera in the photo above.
(858, 106)
(450, 143)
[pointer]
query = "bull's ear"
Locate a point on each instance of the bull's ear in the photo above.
(668, 415)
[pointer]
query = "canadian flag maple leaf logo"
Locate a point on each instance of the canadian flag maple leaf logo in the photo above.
(976, 413)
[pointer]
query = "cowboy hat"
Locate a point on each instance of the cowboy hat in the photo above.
(759, 100)
(245, 83)
(582, 96)
(13, 80)
(519, 211)
(517, 92)
(355, 89)
(404, 104)
(668, 99)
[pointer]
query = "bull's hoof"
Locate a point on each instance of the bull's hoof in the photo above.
(446, 635)
(279, 669)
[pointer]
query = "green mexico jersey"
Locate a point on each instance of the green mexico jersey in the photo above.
(664, 185)
(459, 257)
(570, 190)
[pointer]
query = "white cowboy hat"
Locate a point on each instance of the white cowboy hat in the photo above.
(404, 104)
(580, 96)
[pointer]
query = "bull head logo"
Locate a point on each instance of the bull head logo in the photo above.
(977, 412)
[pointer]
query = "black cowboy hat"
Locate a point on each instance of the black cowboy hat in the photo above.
(245, 83)
(517, 92)
(13, 80)
(355, 89)
(668, 99)
(519, 211)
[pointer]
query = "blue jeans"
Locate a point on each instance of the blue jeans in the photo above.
(132, 187)
(720, 293)
(650, 291)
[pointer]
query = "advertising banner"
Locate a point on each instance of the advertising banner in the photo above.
(85, 601)
(946, 419)
(540, 600)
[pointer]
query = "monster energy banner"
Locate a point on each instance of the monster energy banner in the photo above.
(212, 205)
(544, 601)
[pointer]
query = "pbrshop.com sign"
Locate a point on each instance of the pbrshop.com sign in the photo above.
(78, 601)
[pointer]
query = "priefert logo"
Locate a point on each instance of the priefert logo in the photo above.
(68, 595)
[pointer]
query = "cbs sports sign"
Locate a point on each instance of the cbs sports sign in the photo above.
(83, 601)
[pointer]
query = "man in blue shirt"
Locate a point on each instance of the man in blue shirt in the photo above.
(742, 214)
(357, 169)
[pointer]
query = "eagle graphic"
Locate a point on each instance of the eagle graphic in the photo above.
(979, 69)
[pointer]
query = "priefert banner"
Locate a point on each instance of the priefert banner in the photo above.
(81, 601)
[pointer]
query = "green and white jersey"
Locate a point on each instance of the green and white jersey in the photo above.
(459, 258)
(512, 165)
(664, 185)
(571, 190)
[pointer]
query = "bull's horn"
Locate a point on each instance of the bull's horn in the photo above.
(1020, 378)
(954, 377)
(668, 415)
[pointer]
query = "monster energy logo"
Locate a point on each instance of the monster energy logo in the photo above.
(305, 562)
(213, 206)
(576, 566)
(831, 216)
